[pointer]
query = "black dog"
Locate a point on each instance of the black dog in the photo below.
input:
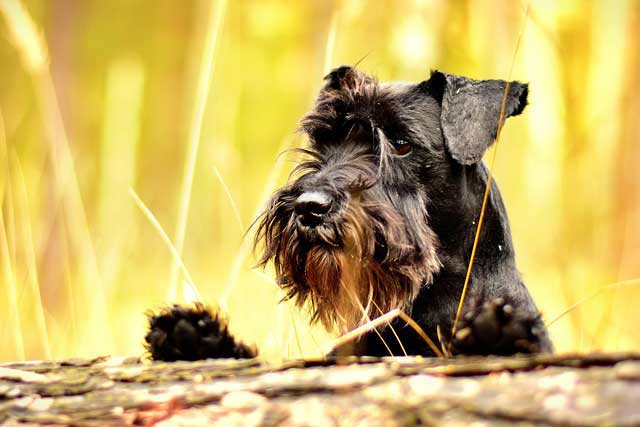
(382, 215)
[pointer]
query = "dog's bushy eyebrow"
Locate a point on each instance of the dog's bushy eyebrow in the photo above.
(354, 103)
(330, 131)
(342, 106)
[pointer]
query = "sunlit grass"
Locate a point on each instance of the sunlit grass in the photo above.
(10, 285)
(118, 157)
(177, 259)
(32, 269)
(329, 50)
(90, 112)
(232, 202)
(28, 42)
(276, 172)
(245, 247)
(214, 26)
(25, 36)
(598, 292)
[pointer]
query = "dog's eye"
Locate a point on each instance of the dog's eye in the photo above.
(402, 147)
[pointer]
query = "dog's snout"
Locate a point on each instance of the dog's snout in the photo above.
(311, 206)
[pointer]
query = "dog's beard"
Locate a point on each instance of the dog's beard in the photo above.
(373, 261)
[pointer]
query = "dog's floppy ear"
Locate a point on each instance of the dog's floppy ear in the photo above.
(471, 110)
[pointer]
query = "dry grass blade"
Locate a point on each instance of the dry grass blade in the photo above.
(379, 321)
(283, 300)
(422, 333)
(190, 293)
(441, 341)
(165, 238)
(232, 202)
(393, 330)
(10, 280)
(275, 173)
(245, 246)
(331, 41)
(32, 48)
(3, 157)
(365, 315)
(32, 267)
(295, 330)
(5, 256)
(216, 19)
(361, 330)
(28, 41)
(489, 180)
(593, 295)
(482, 211)
(119, 150)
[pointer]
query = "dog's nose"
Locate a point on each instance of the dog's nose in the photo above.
(311, 206)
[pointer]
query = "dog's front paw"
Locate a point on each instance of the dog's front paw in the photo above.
(192, 333)
(498, 328)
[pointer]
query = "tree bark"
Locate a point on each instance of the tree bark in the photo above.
(542, 390)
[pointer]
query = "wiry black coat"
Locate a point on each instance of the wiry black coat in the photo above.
(192, 333)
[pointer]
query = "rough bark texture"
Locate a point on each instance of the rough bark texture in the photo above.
(589, 390)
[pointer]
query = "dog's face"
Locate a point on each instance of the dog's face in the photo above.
(350, 234)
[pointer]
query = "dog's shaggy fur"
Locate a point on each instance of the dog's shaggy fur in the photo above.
(381, 214)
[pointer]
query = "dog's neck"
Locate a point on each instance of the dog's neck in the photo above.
(457, 221)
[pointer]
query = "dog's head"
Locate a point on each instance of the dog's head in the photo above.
(350, 233)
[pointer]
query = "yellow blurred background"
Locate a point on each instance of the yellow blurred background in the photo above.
(186, 105)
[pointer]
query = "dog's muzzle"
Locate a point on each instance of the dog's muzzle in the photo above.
(311, 207)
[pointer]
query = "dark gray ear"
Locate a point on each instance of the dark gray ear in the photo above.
(471, 110)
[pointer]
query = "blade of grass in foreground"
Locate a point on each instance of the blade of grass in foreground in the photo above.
(27, 243)
(8, 274)
(214, 25)
(232, 202)
(268, 189)
(245, 247)
(165, 238)
(3, 157)
(331, 42)
(489, 180)
(12, 294)
(125, 80)
(631, 282)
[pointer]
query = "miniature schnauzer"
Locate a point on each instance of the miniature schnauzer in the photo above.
(381, 214)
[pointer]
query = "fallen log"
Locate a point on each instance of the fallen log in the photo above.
(541, 390)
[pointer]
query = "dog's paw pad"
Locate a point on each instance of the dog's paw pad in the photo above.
(192, 333)
(496, 327)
